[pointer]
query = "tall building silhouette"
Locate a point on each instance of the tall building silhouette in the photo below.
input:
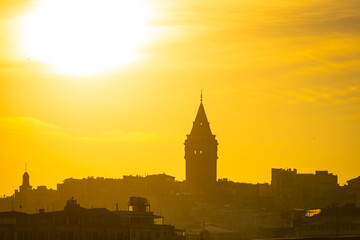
(26, 182)
(201, 154)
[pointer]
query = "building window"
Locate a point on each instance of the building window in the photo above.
(159, 221)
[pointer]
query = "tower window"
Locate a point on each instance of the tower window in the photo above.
(201, 124)
(200, 151)
(194, 151)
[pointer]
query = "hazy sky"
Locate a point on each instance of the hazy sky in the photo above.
(281, 83)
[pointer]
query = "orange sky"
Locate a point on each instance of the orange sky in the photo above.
(281, 85)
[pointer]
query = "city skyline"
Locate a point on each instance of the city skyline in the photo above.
(26, 179)
(200, 119)
(280, 82)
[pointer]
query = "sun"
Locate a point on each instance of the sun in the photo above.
(85, 37)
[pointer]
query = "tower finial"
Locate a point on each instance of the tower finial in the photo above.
(201, 97)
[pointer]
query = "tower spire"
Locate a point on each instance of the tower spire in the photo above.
(201, 154)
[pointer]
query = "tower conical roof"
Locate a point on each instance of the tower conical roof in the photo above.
(201, 126)
(201, 115)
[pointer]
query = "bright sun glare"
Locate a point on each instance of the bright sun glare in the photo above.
(85, 37)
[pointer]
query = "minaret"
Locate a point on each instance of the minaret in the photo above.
(200, 154)
(26, 181)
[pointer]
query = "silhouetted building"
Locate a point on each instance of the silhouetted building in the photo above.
(29, 199)
(138, 204)
(25, 183)
(77, 223)
(105, 192)
(201, 155)
(305, 190)
(353, 190)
